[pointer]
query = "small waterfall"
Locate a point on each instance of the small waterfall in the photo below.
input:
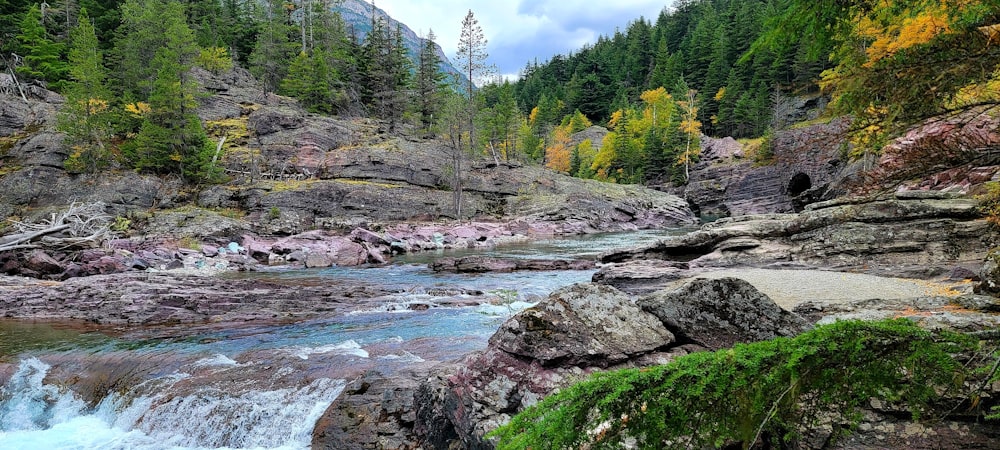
(214, 418)
(174, 412)
(29, 404)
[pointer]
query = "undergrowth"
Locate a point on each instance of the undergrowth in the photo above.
(752, 394)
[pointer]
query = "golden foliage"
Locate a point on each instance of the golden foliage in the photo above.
(889, 36)
(616, 117)
(557, 155)
(604, 157)
(138, 109)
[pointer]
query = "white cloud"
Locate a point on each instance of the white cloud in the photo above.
(522, 31)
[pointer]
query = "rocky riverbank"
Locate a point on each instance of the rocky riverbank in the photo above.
(914, 237)
(587, 328)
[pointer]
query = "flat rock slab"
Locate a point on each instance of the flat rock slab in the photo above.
(788, 288)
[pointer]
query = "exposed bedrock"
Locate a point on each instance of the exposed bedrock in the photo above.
(917, 238)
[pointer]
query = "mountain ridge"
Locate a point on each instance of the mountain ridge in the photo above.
(357, 14)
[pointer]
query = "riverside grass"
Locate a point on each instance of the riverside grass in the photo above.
(750, 394)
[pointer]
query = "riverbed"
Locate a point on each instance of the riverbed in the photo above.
(260, 385)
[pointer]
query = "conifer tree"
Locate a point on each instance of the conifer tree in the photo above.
(139, 36)
(429, 82)
(472, 57)
(275, 47)
(42, 55)
(86, 114)
(172, 139)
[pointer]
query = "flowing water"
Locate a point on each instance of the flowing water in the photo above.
(258, 385)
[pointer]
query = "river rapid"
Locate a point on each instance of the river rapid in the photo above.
(259, 385)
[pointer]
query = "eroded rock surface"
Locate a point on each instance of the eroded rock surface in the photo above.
(153, 299)
(916, 238)
(483, 264)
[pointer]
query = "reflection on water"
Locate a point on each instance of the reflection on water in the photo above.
(20, 337)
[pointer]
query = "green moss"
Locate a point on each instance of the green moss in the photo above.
(747, 395)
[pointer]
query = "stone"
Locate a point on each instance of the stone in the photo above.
(151, 298)
(44, 263)
(373, 411)
(990, 275)
(915, 238)
(318, 260)
(642, 276)
(487, 264)
(718, 313)
(572, 333)
(370, 237)
(582, 325)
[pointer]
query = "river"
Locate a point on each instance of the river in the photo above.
(259, 385)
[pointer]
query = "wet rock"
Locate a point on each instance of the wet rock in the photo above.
(718, 313)
(143, 298)
(373, 412)
(484, 264)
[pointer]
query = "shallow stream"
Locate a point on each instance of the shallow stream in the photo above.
(259, 385)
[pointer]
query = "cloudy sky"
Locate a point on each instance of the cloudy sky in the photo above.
(520, 31)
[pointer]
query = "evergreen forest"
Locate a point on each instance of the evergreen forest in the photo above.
(702, 67)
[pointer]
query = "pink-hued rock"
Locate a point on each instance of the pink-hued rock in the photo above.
(44, 263)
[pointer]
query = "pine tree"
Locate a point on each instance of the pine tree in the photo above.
(400, 76)
(429, 82)
(172, 139)
(138, 38)
(472, 57)
(275, 47)
(85, 117)
(42, 55)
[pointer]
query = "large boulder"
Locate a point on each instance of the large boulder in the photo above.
(574, 332)
(718, 313)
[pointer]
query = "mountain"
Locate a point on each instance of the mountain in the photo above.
(357, 14)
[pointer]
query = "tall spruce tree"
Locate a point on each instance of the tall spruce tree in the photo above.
(429, 82)
(43, 56)
(172, 139)
(275, 47)
(138, 37)
(85, 118)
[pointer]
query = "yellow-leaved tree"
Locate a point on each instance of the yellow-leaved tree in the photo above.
(691, 128)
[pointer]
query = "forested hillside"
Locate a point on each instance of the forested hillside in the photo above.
(125, 66)
(728, 66)
(715, 67)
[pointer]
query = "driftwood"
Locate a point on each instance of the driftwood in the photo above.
(79, 226)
